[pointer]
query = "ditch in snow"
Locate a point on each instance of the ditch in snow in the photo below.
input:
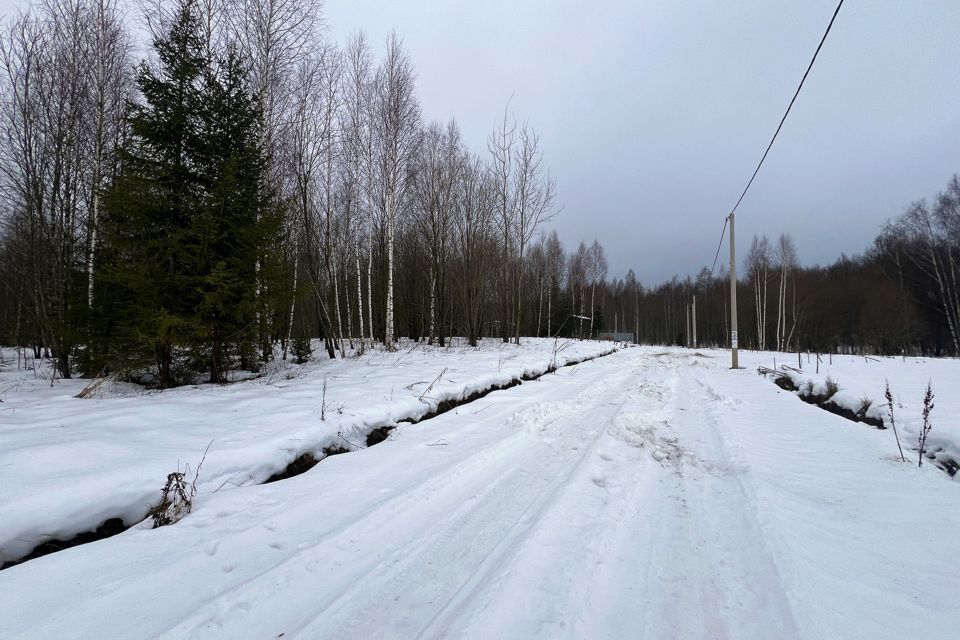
(939, 457)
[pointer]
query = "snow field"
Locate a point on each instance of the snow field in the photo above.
(653, 493)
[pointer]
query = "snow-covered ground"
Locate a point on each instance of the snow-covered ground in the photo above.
(652, 493)
(863, 379)
(68, 464)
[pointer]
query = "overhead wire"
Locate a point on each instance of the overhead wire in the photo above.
(789, 107)
(719, 245)
(775, 134)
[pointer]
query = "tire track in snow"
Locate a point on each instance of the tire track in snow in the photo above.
(472, 484)
(569, 579)
(678, 553)
(532, 520)
(438, 573)
(711, 574)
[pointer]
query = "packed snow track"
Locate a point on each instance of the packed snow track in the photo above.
(648, 494)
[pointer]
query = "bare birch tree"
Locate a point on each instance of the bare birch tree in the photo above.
(578, 273)
(597, 272)
(757, 267)
(787, 262)
(64, 67)
(556, 267)
(397, 127)
(438, 169)
(932, 253)
(474, 237)
(309, 143)
(501, 145)
(110, 90)
(533, 205)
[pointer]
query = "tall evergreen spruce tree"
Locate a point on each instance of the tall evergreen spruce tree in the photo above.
(235, 219)
(187, 217)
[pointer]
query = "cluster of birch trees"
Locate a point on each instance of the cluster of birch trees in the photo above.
(118, 247)
(920, 251)
(396, 227)
(764, 264)
(65, 80)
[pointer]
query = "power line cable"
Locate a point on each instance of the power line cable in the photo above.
(719, 245)
(790, 106)
(757, 170)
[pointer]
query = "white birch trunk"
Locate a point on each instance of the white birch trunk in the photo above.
(593, 289)
(433, 303)
(388, 338)
(759, 312)
(944, 295)
(540, 308)
(780, 318)
(336, 303)
(346, 297)
(550, 311)
(763, 341)
(636, 317)
(370, 291)
(953, 302)
(293, 303)
(356, 256)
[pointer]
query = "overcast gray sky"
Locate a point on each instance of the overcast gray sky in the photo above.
(653, 114)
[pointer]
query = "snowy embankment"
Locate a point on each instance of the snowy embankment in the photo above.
(67, 464)
(860, 384)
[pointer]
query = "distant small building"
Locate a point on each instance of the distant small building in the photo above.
(617, 337)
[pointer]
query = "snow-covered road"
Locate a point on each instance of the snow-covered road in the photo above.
(648, 494)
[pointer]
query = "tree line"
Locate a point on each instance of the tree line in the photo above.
(252, 185)
(901, 296)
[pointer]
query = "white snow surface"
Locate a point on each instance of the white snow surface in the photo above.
(861, 379)
(68, 464)
(653, 493)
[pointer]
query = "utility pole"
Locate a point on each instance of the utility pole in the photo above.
(689, 343)
(734, 363)
(694, 322)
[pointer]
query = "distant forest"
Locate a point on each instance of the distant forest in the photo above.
(251, 185)
(901, 296)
